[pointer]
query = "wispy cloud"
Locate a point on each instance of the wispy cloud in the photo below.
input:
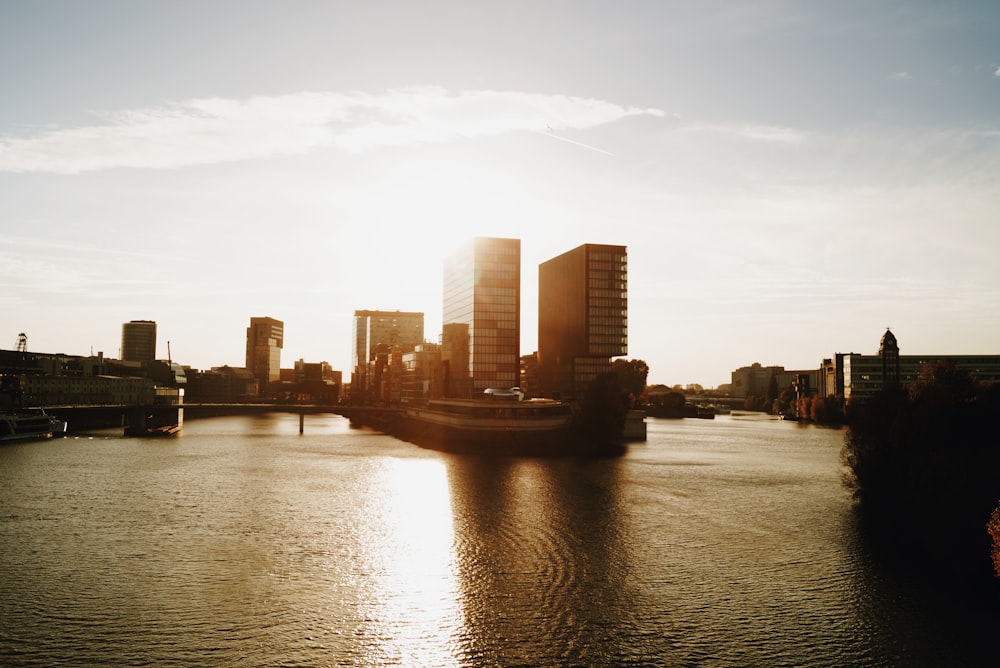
(901, 76)
(763, 133)
(203, 131)
(997, 72)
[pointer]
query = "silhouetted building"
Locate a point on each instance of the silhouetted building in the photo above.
(888, 350)
(139, 341)
(423, 375)
(265, 339)
(223, 384)
(582, 317)
(529, 375)
(403, 330)
(481, 316)
(756, 380)
(857, 377)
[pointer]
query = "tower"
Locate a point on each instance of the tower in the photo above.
(481, 316)
(888, 350)
(265, 339)
(582, 317)
(139, 341)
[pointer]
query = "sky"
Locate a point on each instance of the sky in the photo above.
(790, 178)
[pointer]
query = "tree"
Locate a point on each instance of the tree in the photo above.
(631, 376)
(783, 403)
(924, 465)
(994, 530)
(600, 423)
(772, 392)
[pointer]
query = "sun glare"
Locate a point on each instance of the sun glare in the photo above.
(416, 611)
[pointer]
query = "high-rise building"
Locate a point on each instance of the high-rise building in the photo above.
(139, 341)
(403, 330)
(582, 317)
(481, 316)
(265, 339)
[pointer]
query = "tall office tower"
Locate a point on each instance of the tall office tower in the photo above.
(582, 317)
(393, 329)
(481, 333)
(139, 341)
(265, 339)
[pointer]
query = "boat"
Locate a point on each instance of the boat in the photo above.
(490, 426)
(29, 423)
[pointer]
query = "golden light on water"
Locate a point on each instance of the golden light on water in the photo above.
(414, 606)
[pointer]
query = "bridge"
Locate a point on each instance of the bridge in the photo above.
(82, 418)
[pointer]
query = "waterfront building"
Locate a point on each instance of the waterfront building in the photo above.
(582, 317)
(529, 375)
(265, 339)
(380, 330)
(756, 380)
(423, 375)
(139, 341)
(220, 385)
(86, 390)
(481, 317)
(857, 377)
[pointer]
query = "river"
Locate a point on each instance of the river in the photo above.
(727, 542)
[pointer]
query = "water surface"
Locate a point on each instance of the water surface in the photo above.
(728, 542)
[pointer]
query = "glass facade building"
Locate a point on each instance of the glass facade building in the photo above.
(582, 317)
(395, 330)
(481, 317)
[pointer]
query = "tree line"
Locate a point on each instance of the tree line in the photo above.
(923, 464)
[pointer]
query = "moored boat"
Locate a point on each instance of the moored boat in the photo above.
(532, 427)
(26, 424)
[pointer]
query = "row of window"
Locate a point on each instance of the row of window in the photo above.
(608, 316)
(495, 345)
(610, 329)
(607, 256)
(487, 326)
(494, 358)
(608, 296)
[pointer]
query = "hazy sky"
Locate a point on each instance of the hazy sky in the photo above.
(789, 177)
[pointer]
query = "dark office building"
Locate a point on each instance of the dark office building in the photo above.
(265, 339)
(139, 341)
(582, 317)
(481, 317)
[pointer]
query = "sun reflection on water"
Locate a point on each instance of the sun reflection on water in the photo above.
(414, 610)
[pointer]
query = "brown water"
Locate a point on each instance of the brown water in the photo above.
(721, 543)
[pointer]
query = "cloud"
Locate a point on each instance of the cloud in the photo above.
(763, 133)
(997, 73)
(211, 130)
(901, 76)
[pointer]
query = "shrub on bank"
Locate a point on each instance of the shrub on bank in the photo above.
(923, 463)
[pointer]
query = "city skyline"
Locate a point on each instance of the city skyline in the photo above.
(789, 179)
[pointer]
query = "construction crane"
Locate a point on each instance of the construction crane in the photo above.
(22, 343)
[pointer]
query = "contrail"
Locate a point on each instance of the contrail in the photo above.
(592, 148)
